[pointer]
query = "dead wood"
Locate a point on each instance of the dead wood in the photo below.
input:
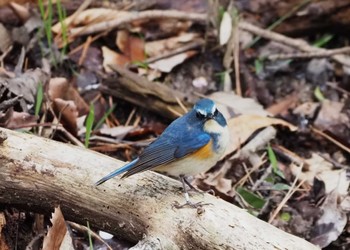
(40, 174)
(138, 90)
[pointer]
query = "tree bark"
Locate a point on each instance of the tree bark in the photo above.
(39, 174)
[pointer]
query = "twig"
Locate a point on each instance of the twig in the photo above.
(181, 104)
(85, 50)
(236, 58)
(10, 102)
(131, 115)
(331, 139)
(85, 229)
(197, 17)
(289, 194)
(298, 44)
(150, 14)
(280, 20)
(326, 53)
(336, 87)
(247, 175)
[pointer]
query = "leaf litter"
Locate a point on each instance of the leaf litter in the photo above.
(287, 162)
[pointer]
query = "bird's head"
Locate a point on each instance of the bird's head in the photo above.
(206, 109)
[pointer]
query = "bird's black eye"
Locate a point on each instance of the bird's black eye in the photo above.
(200, 115)
(216, 112)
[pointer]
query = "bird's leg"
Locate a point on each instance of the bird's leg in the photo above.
(187, 197)
(210, 191)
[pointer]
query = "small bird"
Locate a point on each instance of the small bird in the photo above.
(190, 145)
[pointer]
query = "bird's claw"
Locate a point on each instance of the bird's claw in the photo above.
(190, 204)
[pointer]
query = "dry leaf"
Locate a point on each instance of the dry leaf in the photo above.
(57, 232)
(318, 167)
(167, 64)
(6, 40)
(21, 120)
(132, 47)
(164, 46)
(2, 221)
(68, 112)
(230, 104)
(60, 88)
(3, 244)
(110, 58)
(307, 109)
(225, 28)
(243, 126)
(282, 106)
(330, 115)
(331, 223)
(118, 132)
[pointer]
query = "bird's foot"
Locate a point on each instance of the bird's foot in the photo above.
(194, 189)
(190, 204)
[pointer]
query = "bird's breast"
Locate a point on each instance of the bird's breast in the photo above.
(220, 135)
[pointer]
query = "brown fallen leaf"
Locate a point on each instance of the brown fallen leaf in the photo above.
(60, 88)
(21, 120)
(111, 57)
(282, 106)
(132, 47)
(243, 126)
(3, 244)
(118, 132)
(57, 233)
(167, 64)
(330, 115)
(67, 111)
(164, 46)
(2, 221)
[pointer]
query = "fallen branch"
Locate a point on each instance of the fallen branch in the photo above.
(202, 18)
(135, 16)
(295, 43)
(320, 54)
(40, 174)
(138, 90)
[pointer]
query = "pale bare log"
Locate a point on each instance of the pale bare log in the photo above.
(39, 174)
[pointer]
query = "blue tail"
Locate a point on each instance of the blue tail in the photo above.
(119, 171)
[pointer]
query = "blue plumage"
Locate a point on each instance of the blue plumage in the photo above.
(184, 136)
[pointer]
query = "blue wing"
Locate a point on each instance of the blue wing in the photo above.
(165, 150)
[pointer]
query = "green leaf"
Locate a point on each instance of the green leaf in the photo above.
(251, 198)
(89, 235)
(259, 65)
(39, 99)
(318, 94)
(143, 65)
(323, 40)
(285, 216)
(280, 187)
(272, 157)
(88, 125)
(273, 162)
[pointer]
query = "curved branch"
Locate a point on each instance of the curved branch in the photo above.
(40, 174)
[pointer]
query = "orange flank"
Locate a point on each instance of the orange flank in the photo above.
(205, 152)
